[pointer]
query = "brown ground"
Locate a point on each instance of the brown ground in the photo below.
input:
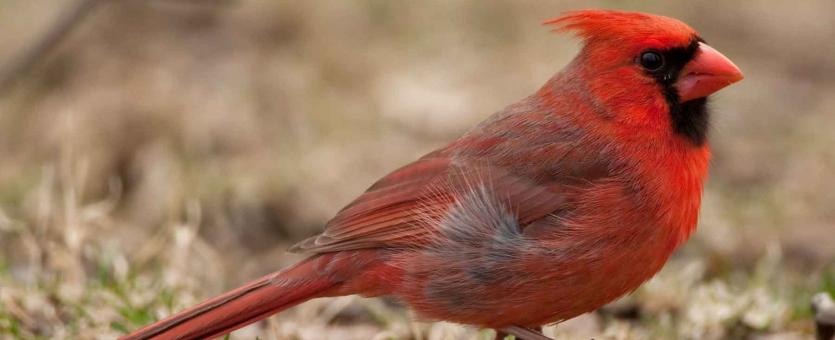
(170, 149)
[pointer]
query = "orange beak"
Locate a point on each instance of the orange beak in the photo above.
(708, 72)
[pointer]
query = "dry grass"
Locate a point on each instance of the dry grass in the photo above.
(169, 150)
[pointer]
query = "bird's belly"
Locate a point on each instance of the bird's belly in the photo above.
(536, 287)
(492, 273)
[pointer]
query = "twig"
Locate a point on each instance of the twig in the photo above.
(31, 55)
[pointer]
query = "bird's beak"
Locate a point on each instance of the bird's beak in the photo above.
(708, 72)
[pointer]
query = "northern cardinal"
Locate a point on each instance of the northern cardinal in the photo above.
(552, 207)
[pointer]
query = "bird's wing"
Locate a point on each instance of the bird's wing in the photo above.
(389, 212)
(403, 208)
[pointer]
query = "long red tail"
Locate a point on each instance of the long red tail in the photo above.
(252, 302)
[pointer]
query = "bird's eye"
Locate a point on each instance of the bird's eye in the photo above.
(652, 61)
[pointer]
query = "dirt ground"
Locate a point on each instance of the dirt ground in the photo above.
(166, 150)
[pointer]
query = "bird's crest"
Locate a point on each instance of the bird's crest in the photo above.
(608, 25)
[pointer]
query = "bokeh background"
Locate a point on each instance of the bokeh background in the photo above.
(163, 151)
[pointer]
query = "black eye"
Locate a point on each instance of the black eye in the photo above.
(652, 61)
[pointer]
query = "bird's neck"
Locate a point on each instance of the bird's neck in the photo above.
(671, 169)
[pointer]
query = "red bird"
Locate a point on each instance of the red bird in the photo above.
(551, 208)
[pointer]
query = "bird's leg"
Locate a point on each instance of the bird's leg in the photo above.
(521, 333)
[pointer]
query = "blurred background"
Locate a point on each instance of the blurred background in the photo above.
(155, 153)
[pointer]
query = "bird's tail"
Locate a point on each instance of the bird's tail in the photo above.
(252, 302)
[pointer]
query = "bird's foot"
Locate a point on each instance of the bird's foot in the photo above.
(521, 333)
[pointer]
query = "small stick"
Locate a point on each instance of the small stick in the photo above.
(30, 56)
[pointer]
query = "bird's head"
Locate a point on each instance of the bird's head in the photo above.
(634, 61)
